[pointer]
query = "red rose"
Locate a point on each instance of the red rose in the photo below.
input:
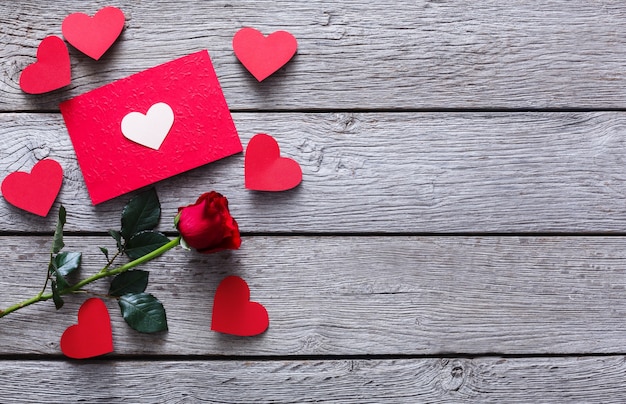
(207, 225)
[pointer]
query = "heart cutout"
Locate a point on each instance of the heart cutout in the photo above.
(93, 35)
(149, 130)
(265, 170)
(36, 191)
(92, 336)
(234, 313)
(52, 69)
(262, 55)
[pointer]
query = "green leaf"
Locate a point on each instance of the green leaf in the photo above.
(56, 296)
(143, 312)
(57, 240)
(118, 238)
(67, 262)
(144, 242)
(129, 282)
(105, 251)
(142, 213)
(58, 280)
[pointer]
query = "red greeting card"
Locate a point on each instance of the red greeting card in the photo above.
(150, 126)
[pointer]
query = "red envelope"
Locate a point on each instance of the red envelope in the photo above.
(201, 129)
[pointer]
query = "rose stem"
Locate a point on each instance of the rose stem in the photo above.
(102, 274)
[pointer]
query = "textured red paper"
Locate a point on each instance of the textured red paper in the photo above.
(203, 129)
(265, 170)
(52, 69)
(93, 35)
(92, 336)
(234, 313)
(36, 191)
(262, 55)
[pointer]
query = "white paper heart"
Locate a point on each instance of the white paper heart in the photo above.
(151, 129)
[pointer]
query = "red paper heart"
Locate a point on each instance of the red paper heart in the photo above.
(52, 69)
(262, 55)
(92, 336)
(234, 313)
(93, 35)
(36, 191)
(265, 170)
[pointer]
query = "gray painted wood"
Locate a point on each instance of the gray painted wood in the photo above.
(485, 380)
(378, 172)
(354, 54)
(355, 295)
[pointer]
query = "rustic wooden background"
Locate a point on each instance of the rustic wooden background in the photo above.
(458, 236)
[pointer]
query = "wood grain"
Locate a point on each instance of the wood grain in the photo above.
(485, 380)
(355, 296)
(353, 54)
(398, 271)
(377, 172)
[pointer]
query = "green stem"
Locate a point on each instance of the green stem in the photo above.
(101, 274)
(45, 285)
(108, 265)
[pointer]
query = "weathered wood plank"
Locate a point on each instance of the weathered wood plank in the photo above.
(485, 380)
(354, 54)
(378, 172)
(355, 295)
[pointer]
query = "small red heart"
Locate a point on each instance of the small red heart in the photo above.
(52, 69)
(93, 35)
(36, 191)
(92, 336)
(262, 55)
(234, 313)
(265, 170)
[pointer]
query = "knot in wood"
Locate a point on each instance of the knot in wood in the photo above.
(453, 375)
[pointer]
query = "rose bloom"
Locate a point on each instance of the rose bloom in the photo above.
(207, 225)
